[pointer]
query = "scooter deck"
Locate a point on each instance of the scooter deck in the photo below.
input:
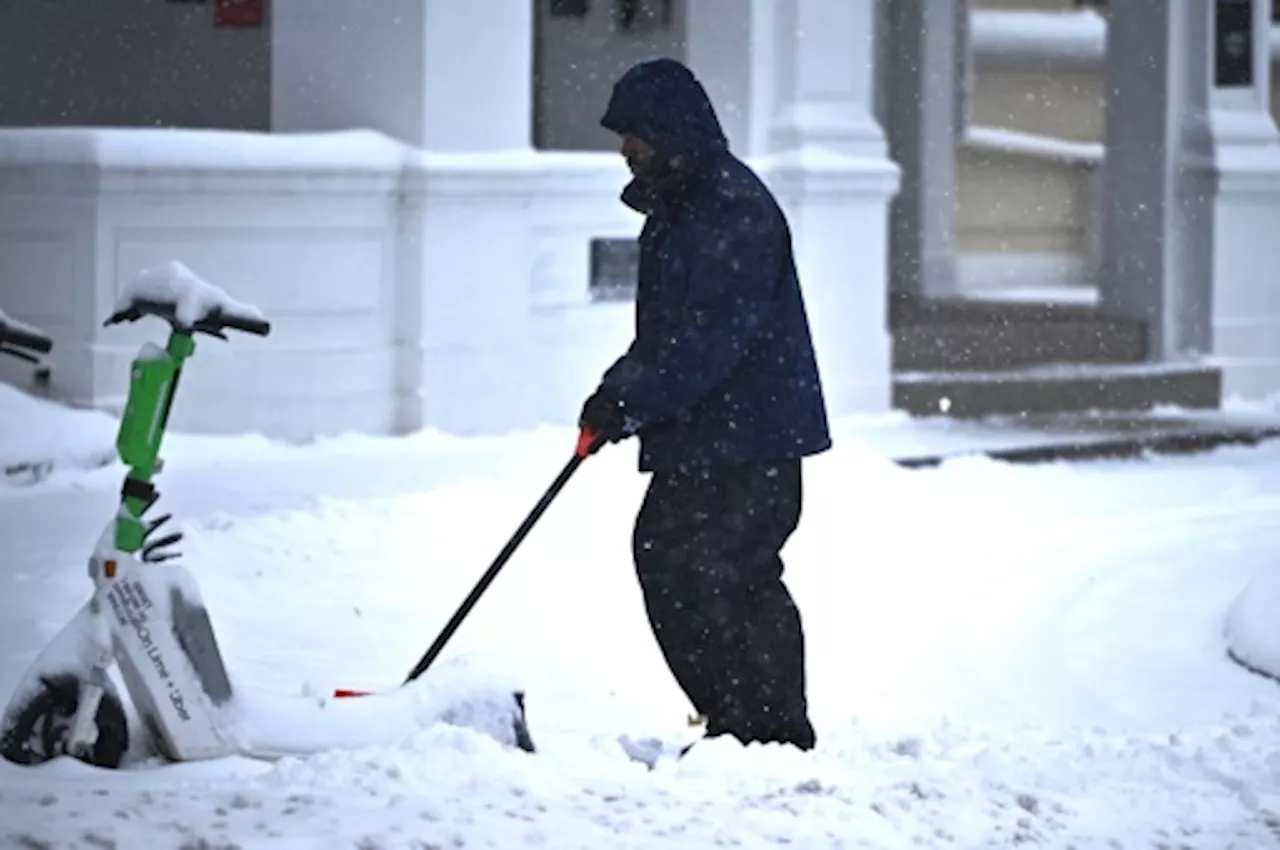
(170, 662)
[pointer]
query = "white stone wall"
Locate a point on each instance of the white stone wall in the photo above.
(406, 290)
(303, 228)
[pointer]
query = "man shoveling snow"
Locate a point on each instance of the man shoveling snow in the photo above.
(721, 385)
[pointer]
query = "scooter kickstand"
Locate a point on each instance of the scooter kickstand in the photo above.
(84, 728)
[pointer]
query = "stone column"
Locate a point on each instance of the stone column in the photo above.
(827, 158)
(351, 64)
(1157, 204)
(823, 57)
(1246, 209)
(455, 80)
(1192, 185)
(721, 47)
(923, 117)
(478, 83)
(436, 74)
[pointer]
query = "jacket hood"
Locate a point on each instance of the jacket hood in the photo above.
(661, 102)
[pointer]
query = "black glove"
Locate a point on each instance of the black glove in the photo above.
(603, 415)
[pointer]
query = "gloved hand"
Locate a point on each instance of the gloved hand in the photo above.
(603, 415)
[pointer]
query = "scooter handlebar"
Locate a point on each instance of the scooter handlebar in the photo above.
(212, 323)
(23, 339)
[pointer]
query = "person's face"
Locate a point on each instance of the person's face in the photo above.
(641, 158)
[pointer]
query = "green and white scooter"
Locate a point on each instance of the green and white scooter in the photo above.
(149, 620)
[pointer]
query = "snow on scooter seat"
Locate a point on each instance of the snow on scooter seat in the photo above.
(193, 297)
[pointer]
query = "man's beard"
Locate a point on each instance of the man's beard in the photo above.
(649, 169)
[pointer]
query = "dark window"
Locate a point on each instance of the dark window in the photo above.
(1233, 43)
(615, 265)
(570, 8)
(643, 15)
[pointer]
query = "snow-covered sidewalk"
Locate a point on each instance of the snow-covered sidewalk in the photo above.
(999, 654)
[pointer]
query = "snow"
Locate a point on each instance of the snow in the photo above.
(18, 326)
(998, 654)
(183, 148)
(1069, 371)
(38, 436)
(826, 162)
(1253, 624)
(1033, 145)
(194, 298)
(1068, 294)
(459, 693)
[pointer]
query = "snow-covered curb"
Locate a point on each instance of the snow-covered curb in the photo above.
(38, 436)
(1252, 627)
(19, 326)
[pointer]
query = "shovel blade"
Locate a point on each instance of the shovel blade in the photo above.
(475, 712)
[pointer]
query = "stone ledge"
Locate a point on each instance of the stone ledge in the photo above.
(1097, 437)
(92, 160)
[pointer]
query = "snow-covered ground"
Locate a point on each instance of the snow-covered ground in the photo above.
(999, 655)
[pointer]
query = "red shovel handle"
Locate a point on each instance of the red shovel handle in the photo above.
(588, 442)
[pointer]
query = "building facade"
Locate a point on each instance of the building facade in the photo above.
(419, 195)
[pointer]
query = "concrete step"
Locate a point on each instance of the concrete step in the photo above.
(1089, 437)
(977, 345)
(909, 310)
(962, 333)
(1057, 388)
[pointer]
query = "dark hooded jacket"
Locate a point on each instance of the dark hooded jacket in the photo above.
(722, 368)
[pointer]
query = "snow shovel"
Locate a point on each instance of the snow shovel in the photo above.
(588, 443)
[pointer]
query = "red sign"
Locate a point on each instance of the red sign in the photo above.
(237, 13)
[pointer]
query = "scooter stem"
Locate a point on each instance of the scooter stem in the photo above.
(152, 385)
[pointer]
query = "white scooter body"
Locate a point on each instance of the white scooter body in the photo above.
(148, 618)
(168, 655)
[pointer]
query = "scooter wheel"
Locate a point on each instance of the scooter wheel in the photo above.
(39, 730)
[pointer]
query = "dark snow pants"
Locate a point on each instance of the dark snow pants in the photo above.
(706, 547)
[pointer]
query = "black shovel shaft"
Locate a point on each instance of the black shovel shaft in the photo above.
(587, 445)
